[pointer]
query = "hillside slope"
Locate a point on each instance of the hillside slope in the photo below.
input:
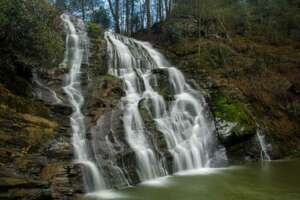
(252, 84)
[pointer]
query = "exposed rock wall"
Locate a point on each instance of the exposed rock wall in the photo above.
(36, 154)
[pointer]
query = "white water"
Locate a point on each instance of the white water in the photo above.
(76, 41)
(45, 90)
(263, 146)
(184, 123)
(149, 166)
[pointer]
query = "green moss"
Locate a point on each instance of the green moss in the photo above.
(228, 110)
(22, 104)
(109, 77)
(232, 110)
(94, 30)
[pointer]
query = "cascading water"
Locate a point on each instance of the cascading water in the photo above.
(149, 166)
(75, 47)
(184, 122)
(263, 146)
(45, 92)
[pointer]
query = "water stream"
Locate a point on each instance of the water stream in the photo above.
(44, 92)
(76, 41)
(263, 146)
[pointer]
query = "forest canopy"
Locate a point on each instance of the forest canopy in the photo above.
(31, 35)
(276, 19)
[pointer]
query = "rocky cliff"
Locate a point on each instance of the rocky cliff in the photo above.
(36, 154)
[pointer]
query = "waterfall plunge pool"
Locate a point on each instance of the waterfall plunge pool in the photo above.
(275, 180)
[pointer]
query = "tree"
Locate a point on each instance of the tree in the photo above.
(60, 4)
(83, 8)
(115, 13)
(30, 34)
(148, 14)
(127, 17)
(167, 8)
(132, 16)
(101, 16)
(159, 10)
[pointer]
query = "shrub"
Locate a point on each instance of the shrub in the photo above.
(30, 34)
(94, 30)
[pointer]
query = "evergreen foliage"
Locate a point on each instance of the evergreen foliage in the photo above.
(30, 34)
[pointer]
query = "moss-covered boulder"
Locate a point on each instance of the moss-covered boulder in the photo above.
(233, 120)
(161, 83)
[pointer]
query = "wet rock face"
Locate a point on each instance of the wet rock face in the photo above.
(104, 119)
(47, 85)
(231, 133)
(66, 180)
(162, 84)
(112, 151)
(36, 154)
(154, 135)
(234, 121)
(36, 159)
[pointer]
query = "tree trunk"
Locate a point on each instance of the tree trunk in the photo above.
(131, 17)
(60, 4)
(115, 14)
(93, 7)
(83, 9)
(170, 6)
(127, 17)
(159, 9)
(148, 13)
(167, 8)
(142, 15)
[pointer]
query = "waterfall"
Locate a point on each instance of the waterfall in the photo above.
(76, 44)
(263, 146)
(149, 167)
(184, 122)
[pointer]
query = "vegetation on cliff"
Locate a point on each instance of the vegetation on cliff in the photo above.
(31, 37)
(30, 34)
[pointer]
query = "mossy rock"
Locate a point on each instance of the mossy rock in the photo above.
(153, 133)
(235, 122)
(22, 104)
(105, 94)
(28, 130)
(231, 110)
(163, 86)
(94, 30)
